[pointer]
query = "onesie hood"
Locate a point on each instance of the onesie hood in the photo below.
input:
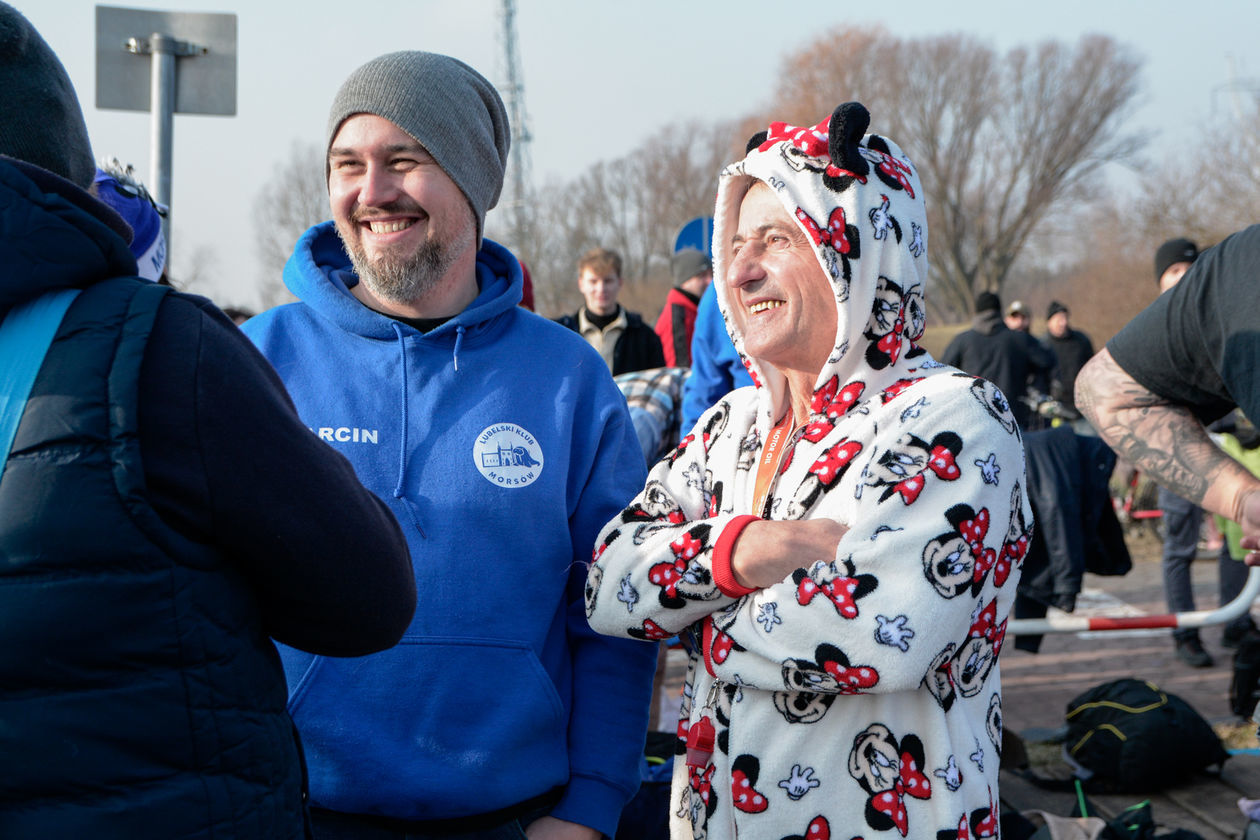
(858, 198)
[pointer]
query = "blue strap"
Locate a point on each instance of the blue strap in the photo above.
(25, 335)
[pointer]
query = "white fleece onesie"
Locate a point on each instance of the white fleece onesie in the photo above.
(860, 697)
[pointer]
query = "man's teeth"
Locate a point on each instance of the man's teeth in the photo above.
(764, 305)
(390, 227)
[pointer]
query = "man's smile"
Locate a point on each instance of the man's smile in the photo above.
(763, 305)
(391, 226)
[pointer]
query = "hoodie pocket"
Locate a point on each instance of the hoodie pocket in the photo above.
(432, 728)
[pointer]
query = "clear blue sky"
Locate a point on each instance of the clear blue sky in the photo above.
(599, 77)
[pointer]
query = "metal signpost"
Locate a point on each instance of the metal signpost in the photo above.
(139, 68)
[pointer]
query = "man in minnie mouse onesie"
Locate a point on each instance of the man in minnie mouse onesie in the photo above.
(840, 542)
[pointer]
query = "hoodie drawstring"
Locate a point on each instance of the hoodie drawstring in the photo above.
(402, 437)
(459, 340)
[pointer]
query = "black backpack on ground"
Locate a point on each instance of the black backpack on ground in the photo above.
(1244, 685)
(1131, 737)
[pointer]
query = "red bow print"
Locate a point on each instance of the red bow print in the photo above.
(1012, 555)
(974, 531)
(824, 396)
(832, 463)
(721, 647)
(812, 141)
(941, 462)
(910, 782)
(911, 488)
(832, 406)
(744, 796)
(669, 575)
(747, 363)
(890, 344)
(653, 631)
(896, 170)
(834, 402)
(701, 781)
(893, 390)
(852, 679)
(985, 627)
(988, 826)
(838, 590)
(686, 547)
(817, 430)
(819, 829)
(845, 400)
(832, 235)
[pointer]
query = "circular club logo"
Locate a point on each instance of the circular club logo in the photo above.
(507, 455)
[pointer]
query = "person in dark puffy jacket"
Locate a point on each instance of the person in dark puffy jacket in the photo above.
(163, 511)
(1007, 358)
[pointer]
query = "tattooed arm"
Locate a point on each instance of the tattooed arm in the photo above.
(1167, 441)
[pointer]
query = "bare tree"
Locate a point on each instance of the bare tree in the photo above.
(634, 205)
(1210, 186)
(293, 198)
(1000, 141)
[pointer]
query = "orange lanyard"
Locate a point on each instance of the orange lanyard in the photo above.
(771, 457)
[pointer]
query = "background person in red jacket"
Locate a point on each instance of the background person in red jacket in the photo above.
(693, 271)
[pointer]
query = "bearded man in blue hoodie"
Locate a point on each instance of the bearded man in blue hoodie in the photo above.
(502, 444)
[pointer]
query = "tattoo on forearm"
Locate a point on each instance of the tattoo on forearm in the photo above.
(1163, 439)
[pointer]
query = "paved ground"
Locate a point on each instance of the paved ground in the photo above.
(1036, 688)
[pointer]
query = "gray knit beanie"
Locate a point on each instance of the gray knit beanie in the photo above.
(40, 118)
(448, 107)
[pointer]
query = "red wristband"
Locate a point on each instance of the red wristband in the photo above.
(723, 574)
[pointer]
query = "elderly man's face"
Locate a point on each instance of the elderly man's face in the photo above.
(780, 296)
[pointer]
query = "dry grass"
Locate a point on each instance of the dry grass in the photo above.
(1238, 736)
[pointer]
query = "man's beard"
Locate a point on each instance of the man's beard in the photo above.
(407, 278)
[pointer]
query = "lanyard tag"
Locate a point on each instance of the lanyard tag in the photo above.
(771, 456)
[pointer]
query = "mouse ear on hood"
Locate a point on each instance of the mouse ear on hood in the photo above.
(756, 140)
(848, 125)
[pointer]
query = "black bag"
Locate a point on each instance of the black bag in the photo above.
(1133, 738)
(1244, 685)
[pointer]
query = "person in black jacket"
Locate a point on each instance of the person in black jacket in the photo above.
(621, 336)
(1007, 358)
(163, 512)
(1072, 349)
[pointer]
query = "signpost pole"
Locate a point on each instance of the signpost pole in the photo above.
(162, 125)
(166, 85)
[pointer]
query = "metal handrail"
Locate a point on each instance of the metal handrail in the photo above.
(1068, 623)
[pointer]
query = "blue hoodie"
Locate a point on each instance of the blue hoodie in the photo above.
(716, 368)
(501, 443)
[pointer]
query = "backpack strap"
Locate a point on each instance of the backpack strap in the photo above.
(25, 335)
